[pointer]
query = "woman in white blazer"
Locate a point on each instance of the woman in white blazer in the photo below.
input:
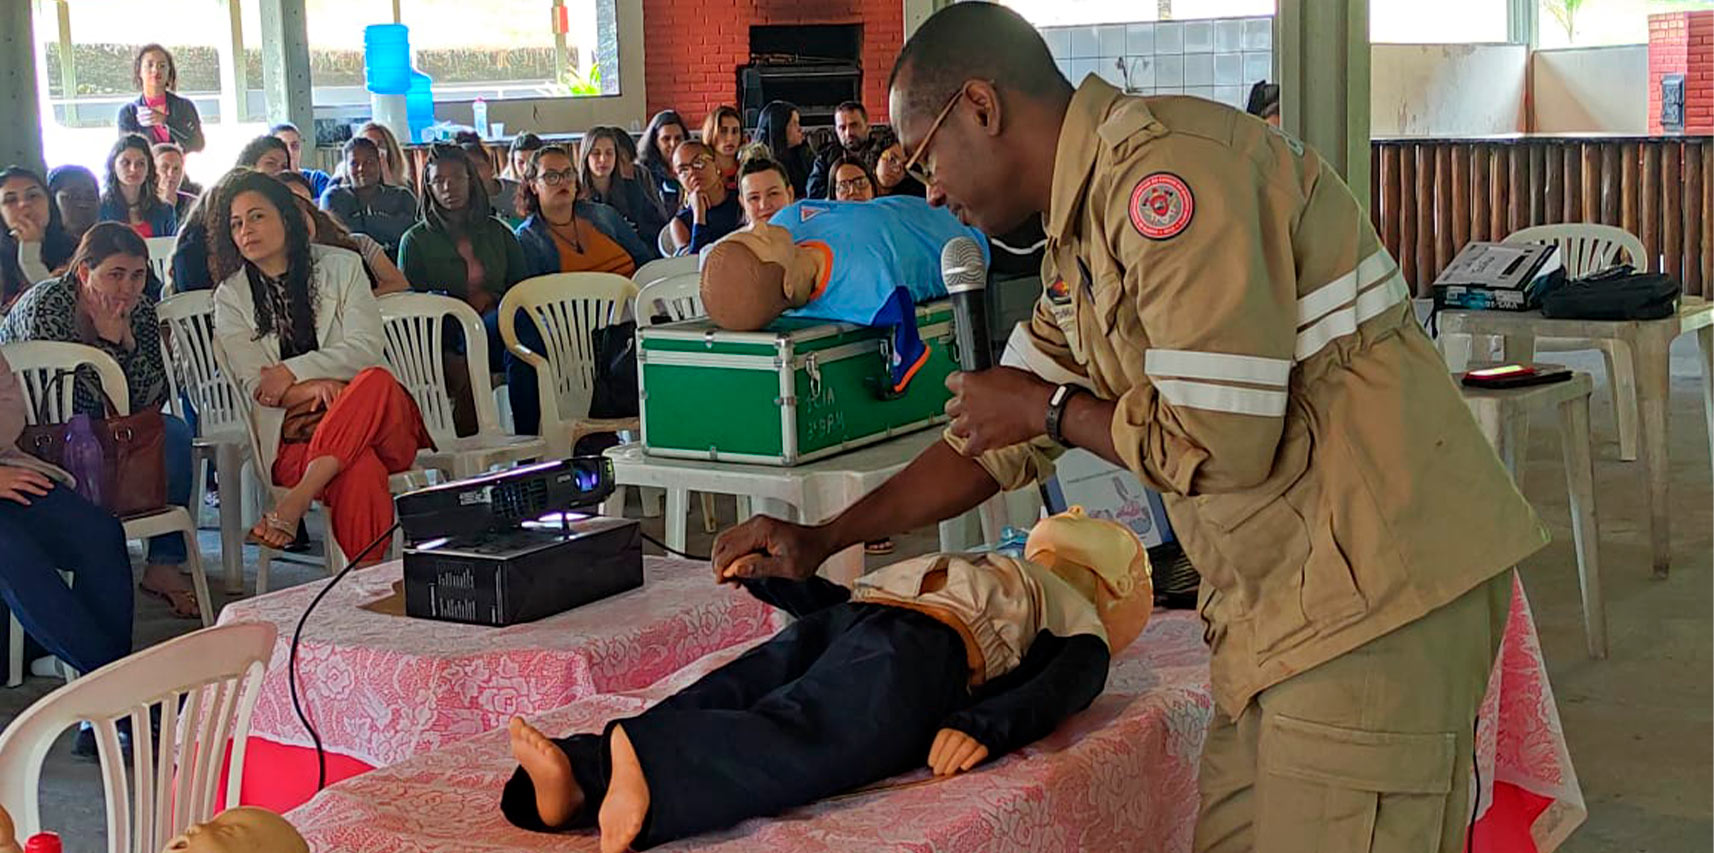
(301, 337)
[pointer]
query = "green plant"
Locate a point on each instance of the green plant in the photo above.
(1565, 11)
(584, 87)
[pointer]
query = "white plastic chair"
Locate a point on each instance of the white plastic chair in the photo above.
(222, 437)
(1586, 248)
(566, 309)
(203, 685)
(161, 259)
(662, 268)
(664, 241)
(35, 363)
(414, 324)
(676, 297)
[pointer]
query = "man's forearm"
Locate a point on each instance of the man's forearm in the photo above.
(938, 485)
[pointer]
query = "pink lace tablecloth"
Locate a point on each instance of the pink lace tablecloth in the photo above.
(1119, 776)
(382, 688)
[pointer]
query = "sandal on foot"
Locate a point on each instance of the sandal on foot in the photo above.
(182, 601)
(879, 547)
(272, 531)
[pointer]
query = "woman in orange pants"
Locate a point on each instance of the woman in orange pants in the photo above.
(301, 335)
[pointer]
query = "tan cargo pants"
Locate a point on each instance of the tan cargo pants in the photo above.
(1370, 751)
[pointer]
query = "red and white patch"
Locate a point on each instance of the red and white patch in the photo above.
(1161, 206)
(806, 213)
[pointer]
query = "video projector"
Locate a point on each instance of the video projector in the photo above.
(512, 546)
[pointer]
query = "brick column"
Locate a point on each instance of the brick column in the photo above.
(1683, 43)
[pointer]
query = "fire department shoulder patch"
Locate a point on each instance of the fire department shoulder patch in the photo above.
(1162, 206)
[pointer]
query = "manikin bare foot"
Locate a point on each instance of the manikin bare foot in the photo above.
(627, 802)
(557, 795)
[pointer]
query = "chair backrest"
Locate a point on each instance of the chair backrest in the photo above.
(203, 685)
(678, 297)
(660, 268)
(566, 308)
(1585, 248)
(192, 363)
(36, 363)
(664, 241)
(161, 258)
(415, 325)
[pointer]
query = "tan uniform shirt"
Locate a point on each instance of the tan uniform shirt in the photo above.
(997, 604)
(1224, 287)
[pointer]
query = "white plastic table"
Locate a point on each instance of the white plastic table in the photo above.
(808, 494)
(1648, 341)
(1503, 415)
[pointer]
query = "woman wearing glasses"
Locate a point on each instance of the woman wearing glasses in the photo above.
(711, 211)
(852, 180)
(563, 233)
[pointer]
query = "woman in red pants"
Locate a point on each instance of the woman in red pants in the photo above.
(301, 335)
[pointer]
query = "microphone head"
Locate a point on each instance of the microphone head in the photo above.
(962, 267)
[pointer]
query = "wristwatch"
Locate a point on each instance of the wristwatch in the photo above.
(1056, 412)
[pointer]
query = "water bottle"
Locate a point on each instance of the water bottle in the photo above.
(44, 842)
(479, 117)
(83, 457)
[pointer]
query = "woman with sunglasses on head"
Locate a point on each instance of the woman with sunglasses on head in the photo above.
(33, 243)
(723, 133)
(600, 161)
(159, 114)
(131, 195)
(663, 136)
(100, 302)
(711, 210)
(301, 337)
(890, 176)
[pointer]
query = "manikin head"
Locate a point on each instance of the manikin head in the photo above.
(752, 276)
(1105, 562)
(246, 829)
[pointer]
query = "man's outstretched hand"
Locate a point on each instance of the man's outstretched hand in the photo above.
(766, 547)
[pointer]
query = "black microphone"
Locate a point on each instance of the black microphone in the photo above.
(965, 273)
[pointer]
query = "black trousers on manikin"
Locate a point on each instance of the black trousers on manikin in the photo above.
(848, 695)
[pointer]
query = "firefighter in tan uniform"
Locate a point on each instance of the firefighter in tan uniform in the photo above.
(1219, 317)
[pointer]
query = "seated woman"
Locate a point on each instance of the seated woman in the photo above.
(265, 154)
(132, 195)
(518, 155)
(301, 336)
(395, 166)
(100, 302)
(600, 161)
(502, 192)
(778, 128)
(711, 211)
(947, 660)
(384, 276)
(890, 175)
(764, 188)
(33, 243)
(852, 180)
(460, 249)
(666, 130)
(364, 203)
(159, 113)
(46, 527)
(723, 133)
(77, 196)
(174, 188)
(869, 264)
(562, 233)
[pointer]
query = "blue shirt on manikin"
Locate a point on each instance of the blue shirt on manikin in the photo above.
(883, 259)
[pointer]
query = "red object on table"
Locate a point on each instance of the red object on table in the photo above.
(382, 688)
(43, 842)
(1121, 775)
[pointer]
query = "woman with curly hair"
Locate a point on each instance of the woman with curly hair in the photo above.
(301, 337)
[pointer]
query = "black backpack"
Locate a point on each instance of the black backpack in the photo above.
(1616, 293)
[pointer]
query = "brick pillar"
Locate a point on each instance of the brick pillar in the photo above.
(1683, 43)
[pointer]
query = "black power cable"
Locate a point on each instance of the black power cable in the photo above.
(292, 659)
(701, 558)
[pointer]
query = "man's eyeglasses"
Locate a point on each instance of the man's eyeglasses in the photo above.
(554, 179)
(696, 165)
(852, 184)
(916, 167)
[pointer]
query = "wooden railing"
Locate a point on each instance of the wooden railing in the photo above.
(1429, 197)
